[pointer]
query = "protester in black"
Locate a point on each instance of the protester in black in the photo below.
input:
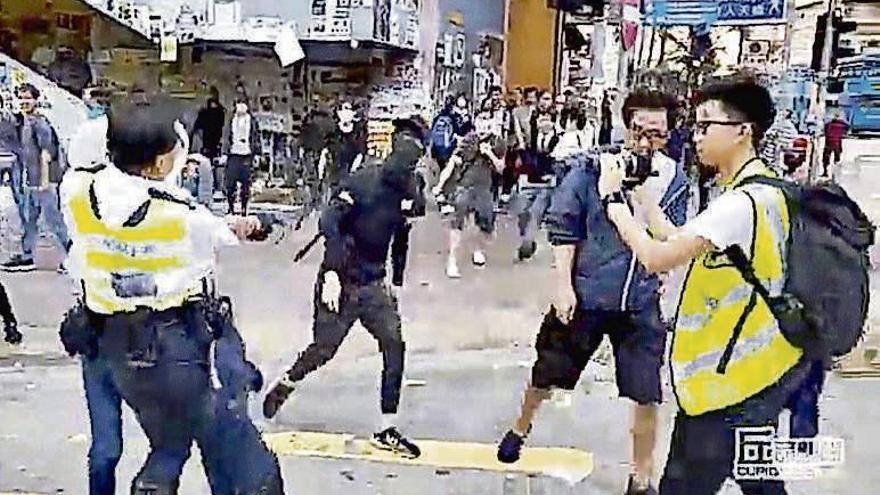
(364, 218)
(242, 145)
(346, 148)
(210, 122)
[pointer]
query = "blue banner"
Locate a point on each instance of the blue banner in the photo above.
(714, 12)
(751, 11)
(681, 12)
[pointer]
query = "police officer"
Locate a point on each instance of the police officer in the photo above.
(88, 152)
(141, 251)
(366, 216)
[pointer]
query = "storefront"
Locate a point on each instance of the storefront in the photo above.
(59, 39)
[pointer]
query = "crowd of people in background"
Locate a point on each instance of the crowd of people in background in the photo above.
(532, 154)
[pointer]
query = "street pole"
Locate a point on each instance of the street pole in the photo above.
(823, 76)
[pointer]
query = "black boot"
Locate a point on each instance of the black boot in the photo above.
(13, 336)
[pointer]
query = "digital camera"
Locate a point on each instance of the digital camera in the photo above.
(637, 168)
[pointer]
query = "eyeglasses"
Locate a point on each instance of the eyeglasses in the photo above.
(703, 126)
(651, 134)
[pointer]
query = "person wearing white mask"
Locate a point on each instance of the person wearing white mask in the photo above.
(345, 149)
(242, 143)
(579, 135)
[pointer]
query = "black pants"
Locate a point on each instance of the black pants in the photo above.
(158, 362)
(831, 149)
(238, 171)
(804, 403)
(377, 311)
(6, 307)
(703, 448)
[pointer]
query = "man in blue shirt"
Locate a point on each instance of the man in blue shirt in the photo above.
(40, 166)
(603, 290)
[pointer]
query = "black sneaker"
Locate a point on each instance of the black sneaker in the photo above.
(19, 264)
(510, 447)
(527, 250)
(632, 490)
(275, 399)
(256, 377)
(13, 336)
(391, 440)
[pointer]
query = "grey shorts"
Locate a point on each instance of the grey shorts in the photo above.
(476, 201)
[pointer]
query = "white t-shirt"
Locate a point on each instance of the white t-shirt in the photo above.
(727, 221)
(241, 135)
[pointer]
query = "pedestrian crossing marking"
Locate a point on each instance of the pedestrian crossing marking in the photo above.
(569, 464)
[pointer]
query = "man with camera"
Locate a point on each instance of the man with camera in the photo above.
(603, 290)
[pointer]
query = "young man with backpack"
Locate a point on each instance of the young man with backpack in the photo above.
(41, 167)
(755, 313)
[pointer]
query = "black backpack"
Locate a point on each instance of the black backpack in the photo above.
(824, 302)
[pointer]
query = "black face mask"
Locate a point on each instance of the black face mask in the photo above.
(399, 173)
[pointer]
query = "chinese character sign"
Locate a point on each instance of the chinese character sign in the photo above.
(751, 11)
(697, 12)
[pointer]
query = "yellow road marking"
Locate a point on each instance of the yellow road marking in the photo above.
(570, 464)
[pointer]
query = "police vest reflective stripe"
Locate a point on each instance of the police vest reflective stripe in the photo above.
(716, 299)
(122, 267)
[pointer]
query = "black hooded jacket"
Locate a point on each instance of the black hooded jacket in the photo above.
(365, 218)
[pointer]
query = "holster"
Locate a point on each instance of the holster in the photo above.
(218, 314)
(79, 333)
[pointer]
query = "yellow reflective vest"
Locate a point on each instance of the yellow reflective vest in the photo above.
(716, 299)
(124, 267)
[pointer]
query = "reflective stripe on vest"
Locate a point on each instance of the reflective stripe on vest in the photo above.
(716, 299)
(156, 246)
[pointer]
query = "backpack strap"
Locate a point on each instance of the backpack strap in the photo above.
(742, 264)
(745, 268)
(765, 181)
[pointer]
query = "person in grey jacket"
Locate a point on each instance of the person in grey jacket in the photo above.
(242, 143)
(603, 290)
(39, 169)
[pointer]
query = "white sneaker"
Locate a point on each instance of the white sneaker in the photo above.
(479, 258)
(452, 269)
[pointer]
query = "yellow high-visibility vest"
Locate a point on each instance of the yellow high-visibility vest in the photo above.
(716, 299)
(122, 267)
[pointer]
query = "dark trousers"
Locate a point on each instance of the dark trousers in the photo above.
(508, 175)
(105, 419)
(6, 307)
(831, 149)
(239, 463)
(238, 171)
(703, 448)
(377, 311)
(804, 404)
(158, 362)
